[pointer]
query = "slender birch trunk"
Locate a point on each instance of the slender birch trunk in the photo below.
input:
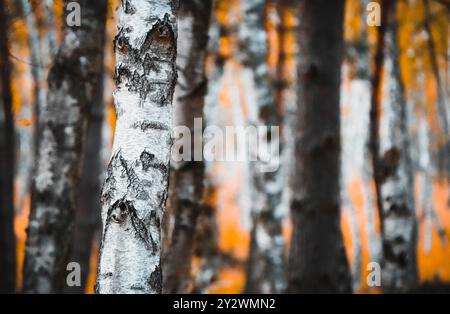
(135, 190)
(317, 261)
(370, 209)
(50, 37)
(354, 134)
(186, 183)
(37, 64)
(375, 105)
(265, 271)
(428, 213)
(62, 120)
(7, 236)
(441, 104)
(398, 216)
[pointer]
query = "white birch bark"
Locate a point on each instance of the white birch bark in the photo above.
(428, 213)
(60, 133)
(399, 225)
(354, 133)
(135, 189)
(50, 37)
(38, 72)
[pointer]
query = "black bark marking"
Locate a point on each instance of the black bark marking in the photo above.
(389, 163)
(161, 39)
(119, 211)
(155, 279)
(128, 8)
(146, 125)
(140, 229)
(149, 160)
(134, 183)
(109, 186)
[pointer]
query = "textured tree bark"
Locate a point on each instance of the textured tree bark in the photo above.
(186, 183)
(135, 190)
(87, 221)
(61, 130)
(317, 261)
(399, 232)
(7, 236)
(265, 271)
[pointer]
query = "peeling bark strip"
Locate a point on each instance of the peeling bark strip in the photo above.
(317, 257)
(398, 219)
(7, 237)
(134, 193)
(61, 133)
(186, 183)
(265, 271)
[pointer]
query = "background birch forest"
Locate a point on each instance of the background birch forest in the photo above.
(364, 175)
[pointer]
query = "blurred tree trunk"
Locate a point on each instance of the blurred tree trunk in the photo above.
(7, 152)
(186, 183)
(395, 174)
(206, 233)
(206, 242)
(318, 261)
(265, 271)
(441, 104)
(37, 65)
(135, 190)
(61, 131)
(87, 221)
(50, 37)
(355, 106)
(428, 214)
(375, 104)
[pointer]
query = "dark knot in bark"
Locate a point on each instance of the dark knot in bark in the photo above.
(119, 211)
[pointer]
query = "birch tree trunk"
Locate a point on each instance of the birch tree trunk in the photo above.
(87, 221)
(375, 105)
(37, 66)
(355, 105)
(186, 183)
(62, 120)
(441, 104)
(428, 213)
(317, 261)
(51, 42)
(265, 271)
(398, 217)
(134, 193)
(7, 236)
